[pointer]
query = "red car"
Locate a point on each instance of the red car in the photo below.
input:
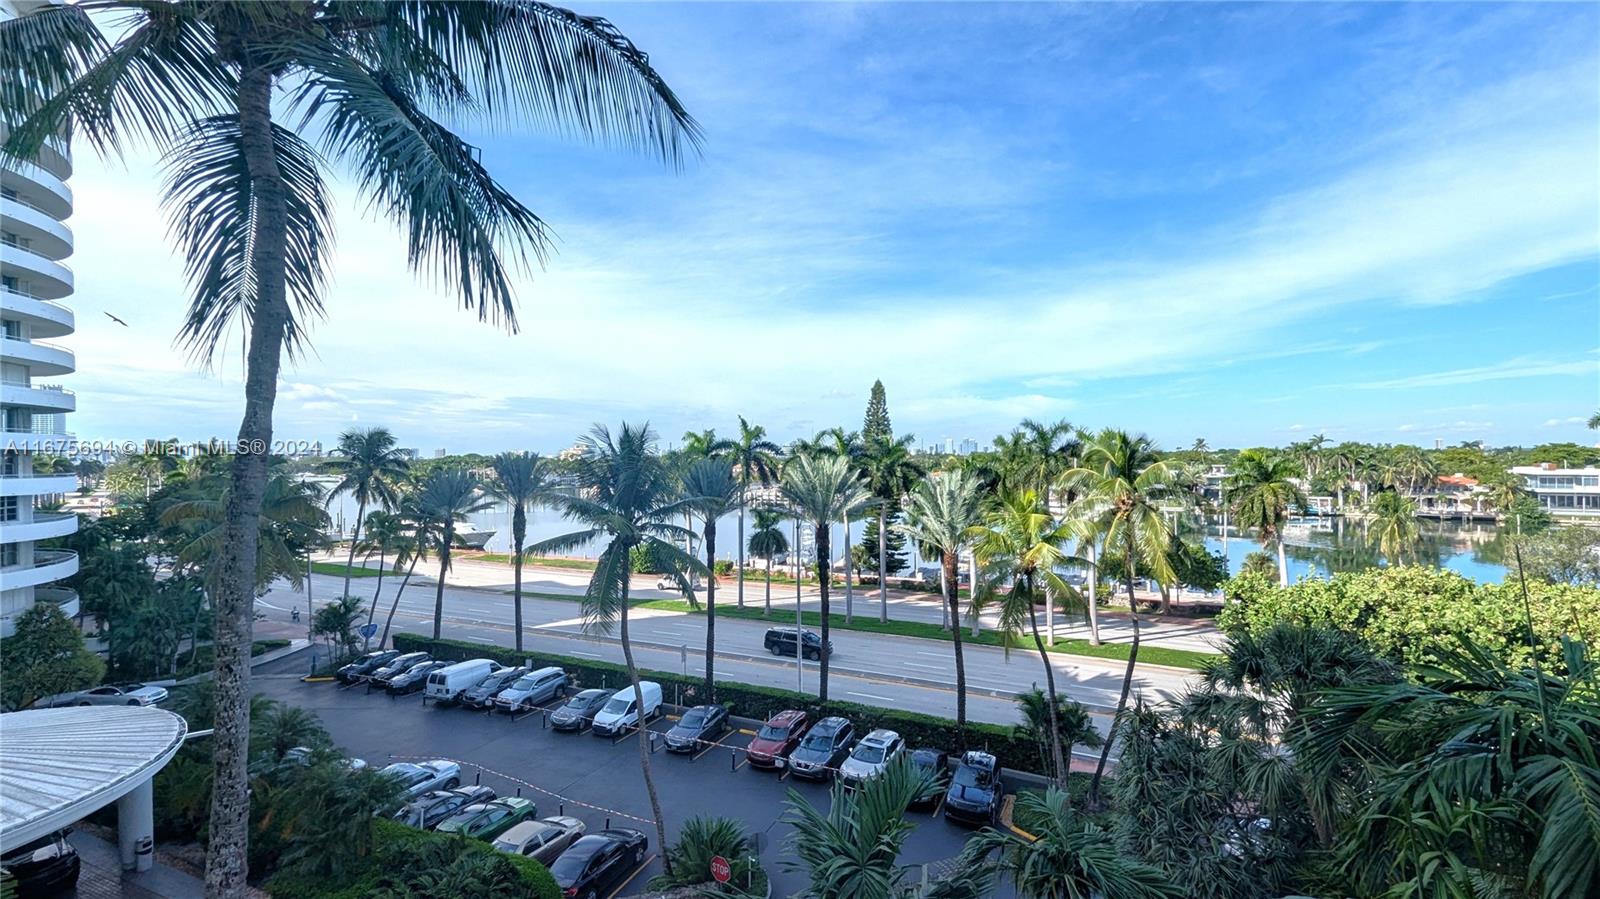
(776, 739)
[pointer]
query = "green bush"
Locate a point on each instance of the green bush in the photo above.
(1410, 612)
(752, 701)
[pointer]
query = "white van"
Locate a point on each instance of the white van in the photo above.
(623, 711)
(448, 683)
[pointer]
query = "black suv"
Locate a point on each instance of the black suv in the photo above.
(781, 641)
(362, 668)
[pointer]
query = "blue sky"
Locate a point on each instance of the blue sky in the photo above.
(1249, 223)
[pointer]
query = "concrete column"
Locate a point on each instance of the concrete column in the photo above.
(136, 827)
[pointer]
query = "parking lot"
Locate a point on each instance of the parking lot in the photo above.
(592, 778)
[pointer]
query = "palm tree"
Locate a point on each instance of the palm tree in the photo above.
(822, 490)
(1124, 492)
(767, 540)
(1263, 491)
(891, 472)
(384, 533)
(520, 480)
(293, 520)
(1409, 467)
(943, 513)
(756, 459)
(374, 83)
(444, 499)
(1594, 421)
(1394, 519)
(839, 442)
(696, 446)
(711, 483)
(370, 468)
(1020, 550)
(1066, 859)
(1344, 459)
(411, 548)
(625, 494)
(1036, 455)
(1074, 725)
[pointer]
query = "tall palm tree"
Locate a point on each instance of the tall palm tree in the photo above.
(891, 472)
(697, 445)
(822, 490)
(943, 513)
(520, 480)
(1343, 459)
(1263, 492)
(293, 520)
(839, 442)
(627, 496)
(1124, 491)
(1036, 455)
(1021, 550)
(1394, 524)
(767, 540)
(370, 468)
(373, 84)
(384, 533)
(444, 499)
(411, 548)
(755, 459)
(716, 491)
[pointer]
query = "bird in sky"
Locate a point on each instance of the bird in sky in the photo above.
(115, 319)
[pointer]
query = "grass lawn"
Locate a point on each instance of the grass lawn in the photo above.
(1154, 655)
(542, 561)
(337, 570)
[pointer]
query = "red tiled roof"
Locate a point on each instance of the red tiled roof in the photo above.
(1457, 480)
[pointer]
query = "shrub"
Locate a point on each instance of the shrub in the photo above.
(753, 701)
(703, 838)
(44, 657)
(724, 567)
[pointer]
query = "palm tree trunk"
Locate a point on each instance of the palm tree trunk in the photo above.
(396, 604)
(952, 577)
(1050, 691)
(444, 565)
(743, 489)
(227, 865)
(823, 539)
(355, 537)
(769, 585)
(377, 591)
(1127, 685)
(1283, 565)
(1094, 607)
(849, 592)
(711, 604)
(644, 732)
(883, 564)
(519, 531)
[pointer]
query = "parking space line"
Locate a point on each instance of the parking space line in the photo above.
(624, 884)
(742, 762)
(937, 808)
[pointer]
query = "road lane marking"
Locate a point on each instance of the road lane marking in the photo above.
(871, 696)
(923, 666)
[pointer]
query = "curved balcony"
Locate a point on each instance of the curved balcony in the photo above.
(50, 399)
(50, 279)
(49, 237)
(34, 442)
(41, 189)
(54, 157)
(64, 598)
(47, 565)
(43, 526)
(40, 357)
(46, 319)
(37, 484)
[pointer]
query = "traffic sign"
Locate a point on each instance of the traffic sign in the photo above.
(367, 630)
(720, 869)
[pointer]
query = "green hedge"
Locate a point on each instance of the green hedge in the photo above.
(752, 701)
(397, 854)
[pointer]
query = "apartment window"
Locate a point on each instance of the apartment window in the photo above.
(8, 555)
(13, 329)
(9, 508)
(11, 463)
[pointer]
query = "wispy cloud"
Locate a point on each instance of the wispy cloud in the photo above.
(1500, 371)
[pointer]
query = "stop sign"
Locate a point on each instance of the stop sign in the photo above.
(720, 869)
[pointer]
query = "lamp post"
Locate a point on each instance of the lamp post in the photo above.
(799, 620)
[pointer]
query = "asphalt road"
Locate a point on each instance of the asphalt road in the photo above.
(589, 777)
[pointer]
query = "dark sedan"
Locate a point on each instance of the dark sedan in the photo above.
(599, 863)
(824, 747)
(975, 790)
(932, 765)
(578, 712)
(397, 665)
(414, 678)
(776, 739)
(44, 867)
(361, 668)
(699, 727)
(427, 810)
(482, 695)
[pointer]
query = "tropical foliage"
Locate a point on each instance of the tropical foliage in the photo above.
(45, 656)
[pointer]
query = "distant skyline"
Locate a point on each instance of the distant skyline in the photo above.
(1249, 223)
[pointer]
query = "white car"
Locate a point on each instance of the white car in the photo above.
(420, 777)
(871, 756)
(531, 689)
(305, 755)
(107, 694)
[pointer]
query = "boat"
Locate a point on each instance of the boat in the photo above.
(474, 539)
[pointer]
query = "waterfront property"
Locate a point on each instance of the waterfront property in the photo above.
(34, 203)
(1563, 491)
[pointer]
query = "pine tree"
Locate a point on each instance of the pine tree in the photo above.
(876, 426)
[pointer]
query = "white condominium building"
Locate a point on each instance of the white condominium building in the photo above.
(34, 280)
(1563, 491)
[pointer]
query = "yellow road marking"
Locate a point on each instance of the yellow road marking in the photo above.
(623, 885)
(1006, 806)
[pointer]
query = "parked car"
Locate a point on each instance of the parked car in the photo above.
(934, 767)
(364, 666)
(487, 820)
(414, 678)
(665, 582)
(107, 694)
(397, 665)
(417, 778)
(825, 746)
(624, 711)
(305, 755)
(699, 726)
(876, 751)
(578, 712)
(427, 810)
(975, 790)
(448, 683)
(531, 689)
(596, 864)
(781, 641)
(542, 840)
(482, 695)
(776, 739)
(43, 867)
